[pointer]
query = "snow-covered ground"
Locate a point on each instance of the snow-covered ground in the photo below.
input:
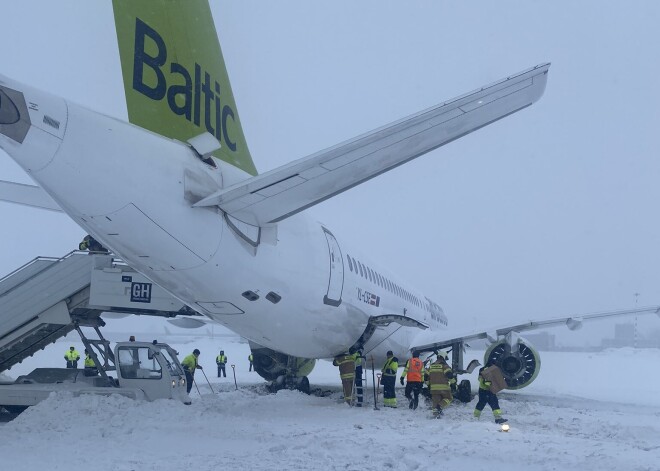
(586, 411)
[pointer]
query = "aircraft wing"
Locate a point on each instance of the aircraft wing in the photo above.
(29, 195)
(280, 193)
(573, 323)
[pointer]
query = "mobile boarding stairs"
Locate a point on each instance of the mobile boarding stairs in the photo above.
(47, 298)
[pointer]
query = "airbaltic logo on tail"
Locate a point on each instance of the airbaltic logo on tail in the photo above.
(191, 90)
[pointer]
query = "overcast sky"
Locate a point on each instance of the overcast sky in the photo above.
(552, 211)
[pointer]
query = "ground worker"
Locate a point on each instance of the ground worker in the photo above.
(251, 360)
(439, 376)
(413, 373)
(388, 378)
(221, 361)
(71, 356)
(358, 376)
(90, 366)
(486, 396)
(346, 364)
(190, 364)
(91, 244)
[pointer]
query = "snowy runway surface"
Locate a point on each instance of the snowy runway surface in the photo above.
(586, 411)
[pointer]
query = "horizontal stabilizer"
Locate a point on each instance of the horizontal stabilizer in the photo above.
(28, 195)
(280, 193)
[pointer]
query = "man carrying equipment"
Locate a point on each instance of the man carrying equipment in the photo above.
(491, 381)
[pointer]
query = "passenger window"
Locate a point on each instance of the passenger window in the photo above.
(361, 272)
(350, 265)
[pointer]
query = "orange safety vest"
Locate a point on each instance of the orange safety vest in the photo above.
(415, 367)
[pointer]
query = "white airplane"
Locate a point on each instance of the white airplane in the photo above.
(176, 195)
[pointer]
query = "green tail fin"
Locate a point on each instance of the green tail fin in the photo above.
(175, 77)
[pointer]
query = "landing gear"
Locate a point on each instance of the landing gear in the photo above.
(464, 391)
(290, 382)
(303, 385)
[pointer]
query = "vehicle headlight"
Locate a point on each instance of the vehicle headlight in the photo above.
(182, 381)
(174, 383)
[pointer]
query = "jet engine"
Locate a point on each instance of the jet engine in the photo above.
(284, 371)
(517, 358)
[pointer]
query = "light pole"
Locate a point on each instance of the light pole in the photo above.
(635, 323)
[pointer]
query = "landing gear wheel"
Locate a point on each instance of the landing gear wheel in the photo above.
(303, 385)
(464, 392)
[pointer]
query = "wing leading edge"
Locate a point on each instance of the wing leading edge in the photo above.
(573, 323)
(285, 191)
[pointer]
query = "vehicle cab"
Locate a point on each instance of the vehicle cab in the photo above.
(151, 367)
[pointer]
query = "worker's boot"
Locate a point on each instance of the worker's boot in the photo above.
(500, 420)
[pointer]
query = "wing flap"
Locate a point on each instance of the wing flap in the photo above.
(29, 195)
(280, 193)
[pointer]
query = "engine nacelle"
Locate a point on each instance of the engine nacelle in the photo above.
(273, 366)
(517, 358)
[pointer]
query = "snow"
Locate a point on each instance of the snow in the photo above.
(586, 411)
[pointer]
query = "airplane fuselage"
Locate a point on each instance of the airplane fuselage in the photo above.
(294, 287)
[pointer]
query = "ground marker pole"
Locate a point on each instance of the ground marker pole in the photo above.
(373, 380)
(233, 368)
(196, 387)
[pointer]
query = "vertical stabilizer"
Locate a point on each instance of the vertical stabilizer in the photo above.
(175, 78)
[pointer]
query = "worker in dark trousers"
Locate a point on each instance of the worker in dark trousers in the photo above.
(388, 378)
(486, 396)
(413, 372)
(72, 356)
(190, 364)
(221, 361)
(251, 360)
(358, 377)
(346, 364)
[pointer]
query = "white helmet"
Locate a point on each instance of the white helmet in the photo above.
(443, 354)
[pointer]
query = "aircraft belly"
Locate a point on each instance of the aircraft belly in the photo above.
(296, 269)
